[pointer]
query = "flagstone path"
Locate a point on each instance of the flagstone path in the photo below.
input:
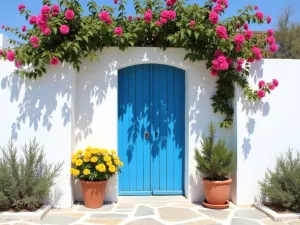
(151, 213)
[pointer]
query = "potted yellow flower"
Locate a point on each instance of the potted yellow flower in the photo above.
(94, 167)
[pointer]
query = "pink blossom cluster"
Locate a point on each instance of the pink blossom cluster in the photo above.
(271, 41)
(34, 41)
(223, 2)
(129, 18)
(222, 32)
(167, 15)
(259, 16)
(213, 17)
(240, 62)
(148, 16)
(171, 2)
(218, 8)
(192, 23)
(10, 55)
(69, 14)
(21, 7)
(220, 63)
(118, 31)
(18, 64)
(105, 17)
(54, 61)
(263, 86)
(257, 52)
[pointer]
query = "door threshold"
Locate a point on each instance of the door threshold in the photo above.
(153, 199)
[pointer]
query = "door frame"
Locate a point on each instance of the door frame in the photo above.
(185, 160)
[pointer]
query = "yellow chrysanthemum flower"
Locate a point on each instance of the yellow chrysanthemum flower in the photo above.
(101, 168)
(107, 158)
(86, 159)
(75, 172)
(74, 159)
(116, 157)
(121, 164)
(113, 152)
(79, 152)
(95, 151)
(79, 162)
(86, 172)
(112, 169)
(87, 155)
(89, 148)
(108, 163)
(94, 159)
(102, 151)
(117, 162)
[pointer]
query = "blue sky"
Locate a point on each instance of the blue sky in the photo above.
(9, 14)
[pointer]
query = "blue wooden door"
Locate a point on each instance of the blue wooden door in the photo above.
(151, 130)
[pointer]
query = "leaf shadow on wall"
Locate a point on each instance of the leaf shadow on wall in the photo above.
(251, 108)
(38, 100)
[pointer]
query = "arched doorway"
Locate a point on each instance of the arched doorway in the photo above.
(151, 129)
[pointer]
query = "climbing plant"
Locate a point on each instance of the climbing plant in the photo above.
(65, 33)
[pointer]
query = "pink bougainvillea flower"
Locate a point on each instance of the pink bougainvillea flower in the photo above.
(118, 31)
(129, 18)
(64, 29)
(148, 16)
(269, 19)
(256, 51)
(214, 72)
(158, 23)
(271, 86)
(273, 48)
(270, 32)
(213, 17)
(116, 1)
(259, 57)
(32, 19)
(10, 56)
(138, 18)
(54, 61)
(45, 9)
(250, 60)
(21, 7)
(24, 28)
(3, 26)
(223, 2)
(239, 68)
(18, 64)
(239, 39)
(55, 10)
(35, 45)
(69, 14)
(218, 8)
(217, 53)
(34, 40)
(270, 40)
(238, 48)
(259, 16)
(171, 2)
(171, 15)
(1, 52)
(222, 32)
(275, 82)
(240, 61)
(261, 93)
(220, 63)
(164, 14)
(255, 7)
(229, 60)
(104, 16)
(192, 23)
(41, 22)
(248, 34)
(47, 31)
(163, 20)
(246, 26)
(261, 83)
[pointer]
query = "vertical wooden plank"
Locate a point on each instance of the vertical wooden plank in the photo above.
(163, 125)
(132, 132)
(170, 132)
(182, 125)
(179, 129)
(139, 127)
(125, 90)
(146, 127)
(120, 125)
(155, 89)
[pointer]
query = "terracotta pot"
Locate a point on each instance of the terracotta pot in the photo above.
(93, 193)
(216, 192)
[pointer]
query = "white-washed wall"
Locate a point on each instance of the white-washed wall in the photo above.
(267, 129)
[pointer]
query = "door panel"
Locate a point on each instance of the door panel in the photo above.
(151, 99)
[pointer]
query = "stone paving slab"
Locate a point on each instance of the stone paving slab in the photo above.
(172, 214)
(250, 214)
(271, 222)
(201, 222)
(65, 220)
(214, 213)
(240, 221)
(109, 216)
(147, 221)
(104, 221)
(144, 211)
(105, 208)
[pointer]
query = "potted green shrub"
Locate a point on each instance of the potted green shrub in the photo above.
(216, 161)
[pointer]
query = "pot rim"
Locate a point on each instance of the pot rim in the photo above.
(227, 181)
(93, 181)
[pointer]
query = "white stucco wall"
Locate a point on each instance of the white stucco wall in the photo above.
(268, 128)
